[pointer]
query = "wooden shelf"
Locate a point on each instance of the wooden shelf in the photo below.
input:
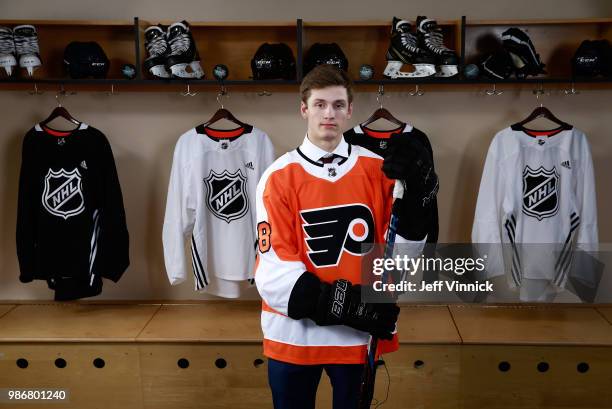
(234, 43)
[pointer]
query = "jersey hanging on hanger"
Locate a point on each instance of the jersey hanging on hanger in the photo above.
(211, 201)
(71, 227)
(378, 142)
(537, 195)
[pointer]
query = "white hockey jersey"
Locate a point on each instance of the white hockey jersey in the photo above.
(211, 201)
(537, 198)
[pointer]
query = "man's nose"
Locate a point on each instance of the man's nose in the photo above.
(329, 112)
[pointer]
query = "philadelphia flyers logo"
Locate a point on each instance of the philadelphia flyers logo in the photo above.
(332, 230)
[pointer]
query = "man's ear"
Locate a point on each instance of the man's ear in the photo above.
(303, 109)
(349, 111)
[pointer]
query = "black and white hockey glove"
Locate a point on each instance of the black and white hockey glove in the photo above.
(340, 303)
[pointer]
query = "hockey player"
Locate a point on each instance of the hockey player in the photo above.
(318, 207)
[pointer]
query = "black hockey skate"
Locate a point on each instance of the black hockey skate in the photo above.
(26, 45)
(404, 49)
(157, 50)
(431, 40)
(7, 50)
(183, 52)
(526, 60)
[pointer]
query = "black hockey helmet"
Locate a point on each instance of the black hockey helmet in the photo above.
(592, 58)
(85, 59)
(321, 53)
(273, 61)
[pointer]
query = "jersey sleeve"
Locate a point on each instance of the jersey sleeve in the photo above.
(113, 238)
(179, 219)
(486, 232)
(278, 264)
(587, 201)
(26, 213)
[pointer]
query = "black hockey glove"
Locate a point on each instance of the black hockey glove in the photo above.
(408, 159)
(340, 303)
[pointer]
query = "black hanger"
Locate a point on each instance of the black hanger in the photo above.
(223, 113)
(382, 113)
(539, 112)
(60, 111)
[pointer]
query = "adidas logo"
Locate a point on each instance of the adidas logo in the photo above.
(249, 165)
(566, 164)
(84, 165)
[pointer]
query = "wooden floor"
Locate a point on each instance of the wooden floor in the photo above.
(208, 355)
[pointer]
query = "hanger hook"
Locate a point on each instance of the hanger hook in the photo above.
(222, 93)
(571, 91)
(264, 93)
(36, 91)
(494, 91)
(61, 92)
(188, 92)
(112, 90)
(380, 95)
(417, 92)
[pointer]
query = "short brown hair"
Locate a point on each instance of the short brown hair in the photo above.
(323, 76)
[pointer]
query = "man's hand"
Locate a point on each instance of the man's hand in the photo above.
(340, 303)
(408, 160)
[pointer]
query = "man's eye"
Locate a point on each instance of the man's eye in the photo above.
(339, 106)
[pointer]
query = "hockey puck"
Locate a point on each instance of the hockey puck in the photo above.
(128, 71)
(220, 72)
(366, 72)
(471, 71)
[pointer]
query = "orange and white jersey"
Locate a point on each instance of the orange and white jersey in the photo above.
(319, 218)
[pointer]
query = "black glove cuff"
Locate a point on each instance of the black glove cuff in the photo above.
(304, 297)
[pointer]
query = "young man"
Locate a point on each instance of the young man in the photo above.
(319, 208)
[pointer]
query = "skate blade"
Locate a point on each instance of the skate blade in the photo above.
(393, 70)
(159, 71)
(446, 71)
(8, 62)
(30, 63)
(180, 70)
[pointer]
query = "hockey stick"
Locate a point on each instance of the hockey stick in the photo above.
(368, 379)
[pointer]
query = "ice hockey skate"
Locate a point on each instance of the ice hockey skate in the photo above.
(183, 60)
(7, 50)
(431, 40)
(26, 45)
(404, 50)
(157, 50)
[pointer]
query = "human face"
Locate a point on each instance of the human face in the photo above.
(327, 111)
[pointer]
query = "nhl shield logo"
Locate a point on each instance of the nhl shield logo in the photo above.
(540, 192)
(226, 195)
(63, 193)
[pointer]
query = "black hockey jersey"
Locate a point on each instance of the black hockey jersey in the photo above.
(378, 141)
(71, 227)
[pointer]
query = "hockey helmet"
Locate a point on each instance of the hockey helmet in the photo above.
(592, 58)
(321, 53)
(85, 59)
(273, 61)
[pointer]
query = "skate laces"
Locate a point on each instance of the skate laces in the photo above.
(26, 40)
(178, 38)
(157, 44)
(434, 40)
(7, 44)
(407, 38)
